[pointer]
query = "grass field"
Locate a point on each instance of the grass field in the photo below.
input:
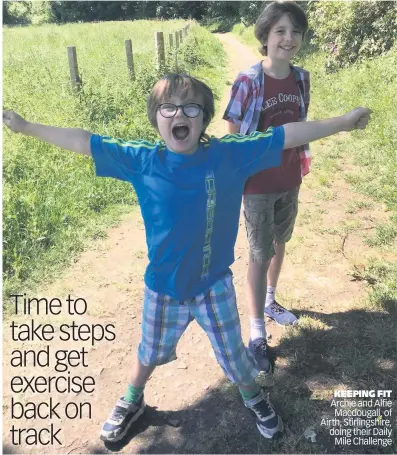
(52, 202)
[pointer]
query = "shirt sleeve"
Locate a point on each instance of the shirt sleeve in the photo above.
(118, 159)
(304, 150)
(240, 94)
(307, 93)
(255, 152)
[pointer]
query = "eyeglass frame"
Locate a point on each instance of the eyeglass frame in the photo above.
(182, 106)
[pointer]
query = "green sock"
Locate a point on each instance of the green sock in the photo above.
(133, 394)
(255, 389)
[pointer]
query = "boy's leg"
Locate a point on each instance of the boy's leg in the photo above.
(256, 289)
(140, 375)
(163, 322)
(285, 212)
(273, 272)
(129, 408)
(216, 312)
(259, 222)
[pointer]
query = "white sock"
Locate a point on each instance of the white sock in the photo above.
(270, 295)
(257, 328)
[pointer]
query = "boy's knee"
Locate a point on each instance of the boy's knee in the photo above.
(154, 359)
(261, 257)
(243, 370)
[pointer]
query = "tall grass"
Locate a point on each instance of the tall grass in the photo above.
(246, 35)
(52, 199)
(372, 83)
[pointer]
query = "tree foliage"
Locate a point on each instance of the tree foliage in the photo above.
(17, 12)
(178, 9)
(89, 11)
(351, 31)
(86, 11)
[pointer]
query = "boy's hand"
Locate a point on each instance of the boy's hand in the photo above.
(14, 121)
(357, 119)
(73, 139)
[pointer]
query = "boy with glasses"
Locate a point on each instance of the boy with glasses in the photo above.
(189, 188)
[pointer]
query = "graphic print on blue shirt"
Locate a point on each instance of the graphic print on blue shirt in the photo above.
(211, 203)
(191, 223)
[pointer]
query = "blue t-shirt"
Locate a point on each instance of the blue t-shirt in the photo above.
(190, 203)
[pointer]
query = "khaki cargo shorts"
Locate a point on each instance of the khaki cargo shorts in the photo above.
(269, 218)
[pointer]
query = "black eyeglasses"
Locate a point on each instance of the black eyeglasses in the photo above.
(169, 110)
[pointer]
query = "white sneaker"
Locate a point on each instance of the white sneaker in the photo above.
(280, 314)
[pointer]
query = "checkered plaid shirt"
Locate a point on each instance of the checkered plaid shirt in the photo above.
(246, 101)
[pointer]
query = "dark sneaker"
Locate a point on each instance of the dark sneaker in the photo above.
(121, 419)
(269, 423)
(259, 350)
(280, 314)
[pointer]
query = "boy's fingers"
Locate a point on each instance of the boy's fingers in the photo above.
(6, 116)
(362, 123)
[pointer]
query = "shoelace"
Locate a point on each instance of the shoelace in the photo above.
(118, 413)
(277, 308)
(261, 346)
(264, 408)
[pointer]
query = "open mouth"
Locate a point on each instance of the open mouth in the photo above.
(180, 132)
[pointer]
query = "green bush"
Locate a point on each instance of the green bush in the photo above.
(249, 12)
(351, 31)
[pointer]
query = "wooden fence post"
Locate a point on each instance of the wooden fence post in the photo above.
(73, 68)
(130, 58)
(159, 43)
(177, 40)
(180, 36)
(171, 38)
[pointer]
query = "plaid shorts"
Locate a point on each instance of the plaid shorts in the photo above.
(165, 320)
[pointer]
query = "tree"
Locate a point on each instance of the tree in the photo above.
(17, 12)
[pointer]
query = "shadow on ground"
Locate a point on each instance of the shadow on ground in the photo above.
(353, 350)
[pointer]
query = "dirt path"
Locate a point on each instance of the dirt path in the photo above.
(187, 393)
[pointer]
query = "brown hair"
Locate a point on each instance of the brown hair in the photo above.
(183, 84)
(272, 14)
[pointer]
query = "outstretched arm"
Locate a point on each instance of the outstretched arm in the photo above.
(73, 139)
(303, 132)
